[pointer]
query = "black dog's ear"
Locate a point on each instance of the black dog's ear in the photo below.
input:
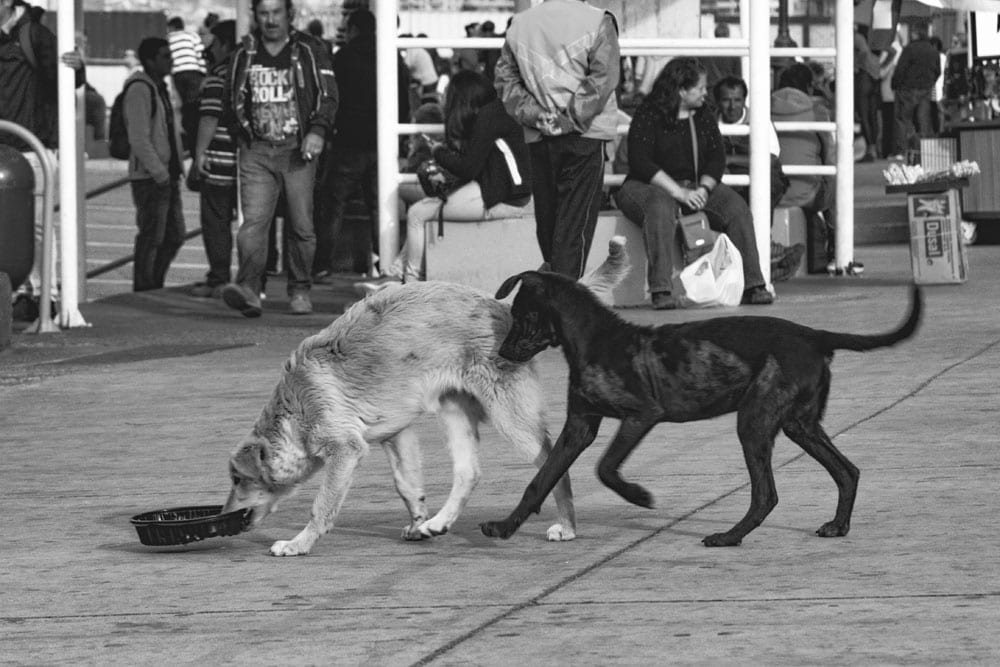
(508, 286)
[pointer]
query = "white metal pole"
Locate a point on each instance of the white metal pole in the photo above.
(388, 132)
(69, 312)
(744, 33)
(844, 68)
(242, 19)
(759, 83)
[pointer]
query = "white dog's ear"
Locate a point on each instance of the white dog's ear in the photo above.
(248, 460)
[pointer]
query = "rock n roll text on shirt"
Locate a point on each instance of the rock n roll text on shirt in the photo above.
(274, 112)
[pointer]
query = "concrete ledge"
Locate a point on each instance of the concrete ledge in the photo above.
(788, 227)
(484, 254)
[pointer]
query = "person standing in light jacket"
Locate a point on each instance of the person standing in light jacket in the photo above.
(557, 75)
(154, 165)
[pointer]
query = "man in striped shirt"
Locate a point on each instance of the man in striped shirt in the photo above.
(215, 165)
(188, 72)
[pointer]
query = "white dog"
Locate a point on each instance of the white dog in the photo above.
(401, 352)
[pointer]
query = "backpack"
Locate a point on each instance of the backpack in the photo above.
(118, 144)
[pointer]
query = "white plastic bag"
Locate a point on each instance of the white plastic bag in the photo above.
(715, 279)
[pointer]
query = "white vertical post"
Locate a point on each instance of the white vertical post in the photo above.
(844, 68)
(759, 83)
(243, 19)
(745, 34)
(69, 313)
(388, 132)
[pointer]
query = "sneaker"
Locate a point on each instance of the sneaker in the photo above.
(300, 304)
(240, 298)
(664, 301)
(757, 296)
(206, 291)
(852, 269)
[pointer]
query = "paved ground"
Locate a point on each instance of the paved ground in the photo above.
(139, 412)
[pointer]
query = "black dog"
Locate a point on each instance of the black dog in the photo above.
(773, 373)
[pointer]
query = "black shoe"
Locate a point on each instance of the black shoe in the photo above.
(757, 296)
(242, 299)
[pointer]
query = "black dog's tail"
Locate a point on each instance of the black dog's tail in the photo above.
(831, 340)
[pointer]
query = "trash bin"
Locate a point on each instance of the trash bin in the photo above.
(17, 215)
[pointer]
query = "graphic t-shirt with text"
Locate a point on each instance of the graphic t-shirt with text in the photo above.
(273, 111)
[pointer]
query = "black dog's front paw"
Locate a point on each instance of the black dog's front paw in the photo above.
(722, 540)
(501, 529)
(833, 529)
(638, 495)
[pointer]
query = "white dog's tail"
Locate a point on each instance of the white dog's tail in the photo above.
(611, 272)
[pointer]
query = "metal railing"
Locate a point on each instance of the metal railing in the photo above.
(755, 47)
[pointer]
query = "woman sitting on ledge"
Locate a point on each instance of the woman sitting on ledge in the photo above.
(484, 148)
(669, 171)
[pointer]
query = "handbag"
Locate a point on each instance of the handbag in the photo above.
(436, 181)
(697, 238)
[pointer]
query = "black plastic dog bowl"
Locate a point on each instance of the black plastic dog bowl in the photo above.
(180, 525)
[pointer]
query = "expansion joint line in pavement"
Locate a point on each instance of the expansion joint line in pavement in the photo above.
(566, 581)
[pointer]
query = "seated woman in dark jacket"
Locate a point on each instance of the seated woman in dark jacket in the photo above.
(666, 176)
(485, 149)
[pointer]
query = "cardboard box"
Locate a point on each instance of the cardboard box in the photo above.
(937, 253)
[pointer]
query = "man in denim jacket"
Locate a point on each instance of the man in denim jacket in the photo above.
(283, 98)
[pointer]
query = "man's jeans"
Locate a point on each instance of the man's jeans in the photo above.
(160, 220)
(265, 171)
(913, 117)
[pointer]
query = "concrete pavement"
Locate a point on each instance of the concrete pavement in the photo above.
(139, 412)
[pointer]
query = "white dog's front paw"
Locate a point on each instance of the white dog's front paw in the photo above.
(433, 528)
(288, 548)
(559, 533)
(412, 532)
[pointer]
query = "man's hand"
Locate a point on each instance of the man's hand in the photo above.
(312, 146)
(555, 124)
(72, 59)
(200, 162)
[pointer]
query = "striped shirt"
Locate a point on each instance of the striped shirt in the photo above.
(186, 51)
(220, 156)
